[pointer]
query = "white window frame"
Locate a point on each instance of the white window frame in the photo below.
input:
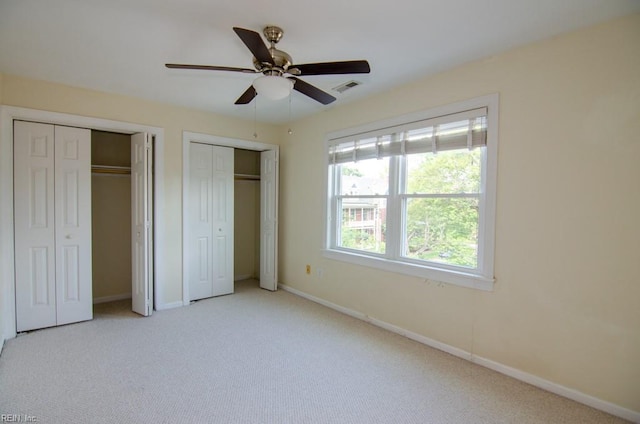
(480, 278)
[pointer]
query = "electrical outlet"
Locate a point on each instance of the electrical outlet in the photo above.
(320, 272)
(308, 269)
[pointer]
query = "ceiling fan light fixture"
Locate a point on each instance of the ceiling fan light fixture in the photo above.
(273, 87)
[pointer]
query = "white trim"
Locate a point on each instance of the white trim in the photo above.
(226, 141)
(487, 226)
(534, 380)
(441, 275)
(113, 298)
(569, 393)
(10, 113)
(460, 353)
(189, 137)
(326, 303)
(1, 345)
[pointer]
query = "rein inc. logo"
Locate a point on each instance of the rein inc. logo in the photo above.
(18, 418)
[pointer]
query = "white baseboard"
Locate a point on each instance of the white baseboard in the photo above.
(165, 306)
(112, 298)
(558, 389)
(611, 408)
(1, 344)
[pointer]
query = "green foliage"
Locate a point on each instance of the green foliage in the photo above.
(355, 238)
(456, 171)
(438, 228)
(349, 170)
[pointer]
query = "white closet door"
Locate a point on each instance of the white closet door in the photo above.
(223, 164)
(141, 224)
(34, 225)
(210, 221)
(200, 224)
(74, 297)
(52, 225)
(269, 220)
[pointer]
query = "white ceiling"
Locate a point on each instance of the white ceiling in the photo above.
(121, 46)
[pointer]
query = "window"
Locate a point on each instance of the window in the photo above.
(416, 194)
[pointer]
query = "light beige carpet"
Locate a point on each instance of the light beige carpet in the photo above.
(256, 357)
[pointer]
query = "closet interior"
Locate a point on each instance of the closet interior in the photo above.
(111, 215)
(246, 214)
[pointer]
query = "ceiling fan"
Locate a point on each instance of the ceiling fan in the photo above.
(274, 64)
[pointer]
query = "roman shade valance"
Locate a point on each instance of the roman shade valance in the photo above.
(466, 129)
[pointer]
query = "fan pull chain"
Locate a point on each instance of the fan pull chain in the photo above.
(255, 116)
(290, 131)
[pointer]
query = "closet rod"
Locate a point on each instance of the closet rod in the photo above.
(247, 177)
(104, 169)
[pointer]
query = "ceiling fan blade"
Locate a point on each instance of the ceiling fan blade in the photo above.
(327, 68)
(247, 96)
(312, 91)
(254, 42)
(209, 68)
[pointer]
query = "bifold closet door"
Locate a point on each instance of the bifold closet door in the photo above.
(269, 220)
(34, 225)
(52, 225)
(210, 220)
(74, 296)
(141, 224)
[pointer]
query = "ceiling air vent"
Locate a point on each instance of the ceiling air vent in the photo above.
(346, 86)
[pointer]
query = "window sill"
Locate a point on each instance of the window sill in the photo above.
(457, 278)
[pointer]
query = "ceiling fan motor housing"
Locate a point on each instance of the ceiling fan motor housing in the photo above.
(281, 60)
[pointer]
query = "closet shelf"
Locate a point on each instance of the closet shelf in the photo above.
(105, 169)
(249, 177)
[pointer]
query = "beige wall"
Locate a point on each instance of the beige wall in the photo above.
(566, 303)
(246, 162)
(111, 234)
(23, 92)
(111, 216)
(246, 215)
(246, 229)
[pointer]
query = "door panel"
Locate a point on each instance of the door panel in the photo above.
(39, 193)
(74, 296)
(71, 278)
(34, 225)
(222, 219)
(39, 273)
(269, 220)
(210, 233)
(200, 226)
(141, 224)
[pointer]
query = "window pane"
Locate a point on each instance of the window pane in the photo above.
(443, 230)
(363, 224)
(366, 177)
(453, 171)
